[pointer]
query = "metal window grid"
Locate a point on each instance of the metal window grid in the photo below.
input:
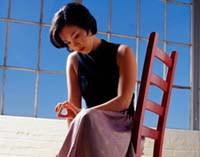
(109, 33)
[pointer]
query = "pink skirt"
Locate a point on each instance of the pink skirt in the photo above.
(98, 133)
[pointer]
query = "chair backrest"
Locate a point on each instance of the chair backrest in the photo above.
(149, 78)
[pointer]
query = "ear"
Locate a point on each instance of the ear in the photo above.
(89, 33)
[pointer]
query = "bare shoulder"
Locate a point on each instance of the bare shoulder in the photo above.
(125, 52)
(72, 61)
(72, 57)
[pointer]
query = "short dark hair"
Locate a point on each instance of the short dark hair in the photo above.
(72, 14)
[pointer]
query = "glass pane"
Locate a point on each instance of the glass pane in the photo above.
(151, 19)
(158, 68)
(99, 9)
(185, 1)
(155, 94)
(125, 41)
(19, 93)
(52, 89)
(123, 18)
(141, 57)
(178, 116)
(150, 119)
(4, 8)
(182, 73)
(51, 57)
(51, 7)
(23, 45)
(25, 10)
(178, 23)
(1, 78)
(83, 103)
(2, 40)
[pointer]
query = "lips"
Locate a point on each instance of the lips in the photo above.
(81, 49)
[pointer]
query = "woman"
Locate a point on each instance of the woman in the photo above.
(104, 74)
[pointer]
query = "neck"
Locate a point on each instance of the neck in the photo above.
(96, 43)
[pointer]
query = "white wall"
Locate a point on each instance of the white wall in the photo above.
(36, 137)
(30, 137)
(178, 143)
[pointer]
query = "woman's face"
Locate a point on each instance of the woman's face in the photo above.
(77, 39)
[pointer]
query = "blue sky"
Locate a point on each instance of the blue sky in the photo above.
(23, 52)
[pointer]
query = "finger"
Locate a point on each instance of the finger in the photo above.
(60, 115)
(70, 107)
(58, 107)
(69, 114)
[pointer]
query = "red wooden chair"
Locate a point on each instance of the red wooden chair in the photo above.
(149, 78)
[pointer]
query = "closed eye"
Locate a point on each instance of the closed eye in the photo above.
(66, 42)
(75, 35)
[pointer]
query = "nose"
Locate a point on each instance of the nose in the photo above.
(76, 45)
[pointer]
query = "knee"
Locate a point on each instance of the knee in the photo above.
(88, 115)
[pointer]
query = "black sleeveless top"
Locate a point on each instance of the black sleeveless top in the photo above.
(98, 75)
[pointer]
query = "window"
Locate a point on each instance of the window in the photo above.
(32, 71)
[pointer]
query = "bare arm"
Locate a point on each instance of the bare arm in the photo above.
(73, 104)
(74, 94)
(127, 80)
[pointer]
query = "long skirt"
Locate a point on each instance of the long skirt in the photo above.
(98, 133)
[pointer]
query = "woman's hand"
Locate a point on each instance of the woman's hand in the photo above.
(71, 110)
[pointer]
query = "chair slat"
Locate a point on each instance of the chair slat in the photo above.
(163, 57)
(154, 107)
(150, 133)
(159, 82)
